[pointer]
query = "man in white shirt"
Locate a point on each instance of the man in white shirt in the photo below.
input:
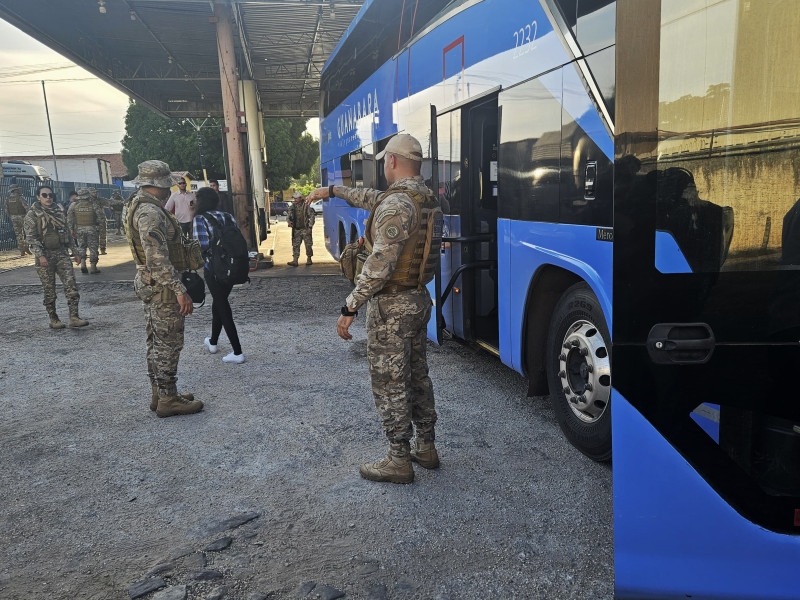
(182, 204)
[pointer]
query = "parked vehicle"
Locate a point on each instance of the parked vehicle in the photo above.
(22, 169)
(278, 208)
(317, 207)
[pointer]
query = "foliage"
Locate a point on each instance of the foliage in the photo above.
(149, 136)
(291, 153)
(305, 189)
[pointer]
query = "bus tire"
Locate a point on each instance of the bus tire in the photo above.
(579, 371)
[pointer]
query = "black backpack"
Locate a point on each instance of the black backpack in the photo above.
(228, 260)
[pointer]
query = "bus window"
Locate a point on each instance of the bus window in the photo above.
(448, 130)
(530, 150)
(726, 112)
(592, 22)
(344, 165)
(603, 68)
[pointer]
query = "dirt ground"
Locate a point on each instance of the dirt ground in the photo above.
(259, 495)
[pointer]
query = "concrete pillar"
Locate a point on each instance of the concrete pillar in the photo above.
(249, 105)
(237, 178)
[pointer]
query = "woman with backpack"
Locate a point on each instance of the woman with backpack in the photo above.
(207, 227)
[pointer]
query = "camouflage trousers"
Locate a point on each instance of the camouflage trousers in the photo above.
(88, 240)
(298, 237)
(118, 219)
(16, 222)
(102, 234)
(396, 339)
(164, 325)
(58, 262)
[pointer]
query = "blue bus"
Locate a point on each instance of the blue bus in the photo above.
(625, 167)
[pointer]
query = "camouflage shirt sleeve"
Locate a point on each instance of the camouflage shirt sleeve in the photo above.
(311, 217)
(359, 197)
(99, 213)
(152, 224)
(72, 223)
(31, 229)
(394, 221)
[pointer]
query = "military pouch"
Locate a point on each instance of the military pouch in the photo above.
(143, 291)
(352, 259)
(51, 240)
(168, 296)
(192, 254)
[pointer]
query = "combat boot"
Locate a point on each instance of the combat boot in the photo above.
(396, 467)
(102, 250)
(94, 269)
(83, 266)
(308, 261)
(154, 400)
(423, 452)
(76, 321)
(55, 322)
(170, 406)
(292, 263)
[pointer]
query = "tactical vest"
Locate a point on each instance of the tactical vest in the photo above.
(416, 264)
(15, 206)
(174, 235)
(299, 215)
(84, 213)
(52, 231)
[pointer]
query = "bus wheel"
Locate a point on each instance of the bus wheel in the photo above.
(579, 371)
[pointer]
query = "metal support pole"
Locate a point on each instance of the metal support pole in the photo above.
(52, 146)
(237, 180)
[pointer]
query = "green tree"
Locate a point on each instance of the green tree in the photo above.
(290, 151)
(149, 136)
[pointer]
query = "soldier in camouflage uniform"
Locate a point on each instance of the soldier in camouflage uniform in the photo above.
(16, 209)
(102, 226)
(46, 231)
(116, 202)
(300, 219)
(84, 218)
(154, 236)
(404, 232)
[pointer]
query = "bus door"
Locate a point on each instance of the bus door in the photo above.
(469, 262)
(706, 300)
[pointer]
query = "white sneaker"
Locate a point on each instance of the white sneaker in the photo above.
(233, 358)
(212, 348)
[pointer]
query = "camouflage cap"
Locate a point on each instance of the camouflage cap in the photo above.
(403, 145)
(116, 194)
(155, 173)
(84, 192)
(297, 195)
(14, 188)
(92, 190)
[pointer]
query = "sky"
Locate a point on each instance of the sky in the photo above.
(87, 116)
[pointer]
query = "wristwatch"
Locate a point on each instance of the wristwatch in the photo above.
(330, 192)
(348, 313)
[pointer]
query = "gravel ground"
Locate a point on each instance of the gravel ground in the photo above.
(259, 495)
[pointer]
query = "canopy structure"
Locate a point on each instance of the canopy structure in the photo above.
(166, 55)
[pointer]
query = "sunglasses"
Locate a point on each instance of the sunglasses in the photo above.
(47, 195)
(181, 183)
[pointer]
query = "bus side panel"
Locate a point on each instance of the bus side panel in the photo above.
(496, 42)
(676, 538)
(534, 245)
(504, 284)
(366, 116)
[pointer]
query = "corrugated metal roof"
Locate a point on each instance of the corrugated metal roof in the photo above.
(164, 53)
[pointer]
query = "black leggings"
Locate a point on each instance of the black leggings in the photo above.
(221, 314)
